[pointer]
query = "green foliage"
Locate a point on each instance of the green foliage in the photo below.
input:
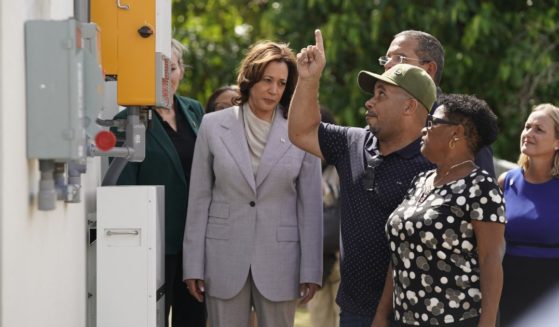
(503, 51)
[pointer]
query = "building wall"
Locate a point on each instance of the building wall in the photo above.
(42, 253)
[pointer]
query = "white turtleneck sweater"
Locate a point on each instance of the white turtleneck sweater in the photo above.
(256, 131)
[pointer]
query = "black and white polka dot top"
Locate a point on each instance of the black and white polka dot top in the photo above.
(434, 250)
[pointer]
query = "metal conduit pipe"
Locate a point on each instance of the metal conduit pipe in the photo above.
(135, 135)
(113, 173)
(75, 170)
(60, 180)
(124, 152)
(81, 10)
(135, 145)
(47, 193)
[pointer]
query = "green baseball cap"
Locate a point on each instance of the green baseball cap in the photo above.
(412, 79)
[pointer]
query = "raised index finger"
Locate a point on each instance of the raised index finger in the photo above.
(318, 40)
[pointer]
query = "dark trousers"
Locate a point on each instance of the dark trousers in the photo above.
(187, 312)
(527, 283)
(348, 319)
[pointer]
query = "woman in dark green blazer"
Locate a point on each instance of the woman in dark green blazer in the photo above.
(169, 150)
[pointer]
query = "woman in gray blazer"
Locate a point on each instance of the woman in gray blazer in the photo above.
(254, 224)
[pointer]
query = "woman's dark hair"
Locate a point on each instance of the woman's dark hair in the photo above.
(210, 105)
(480, 123)
(255, 62)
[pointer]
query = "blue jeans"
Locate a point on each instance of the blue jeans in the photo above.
(348, 319)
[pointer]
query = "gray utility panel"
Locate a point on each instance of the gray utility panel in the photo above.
(54, 57)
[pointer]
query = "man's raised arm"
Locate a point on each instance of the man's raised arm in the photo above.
(304, 112)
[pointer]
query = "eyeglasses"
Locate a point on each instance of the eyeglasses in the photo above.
(369, 177)
(398, 60)
(431, 121)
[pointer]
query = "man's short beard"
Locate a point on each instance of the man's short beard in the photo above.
(373, 129)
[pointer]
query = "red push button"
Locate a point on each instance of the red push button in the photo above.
(105, 140)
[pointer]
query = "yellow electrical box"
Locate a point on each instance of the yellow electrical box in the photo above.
(133, 37)
(103, 13)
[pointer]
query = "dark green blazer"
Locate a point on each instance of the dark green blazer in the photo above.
(162, 166)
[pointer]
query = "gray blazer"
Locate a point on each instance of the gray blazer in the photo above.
(270, 225)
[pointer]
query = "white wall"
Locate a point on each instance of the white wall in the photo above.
(42, 253)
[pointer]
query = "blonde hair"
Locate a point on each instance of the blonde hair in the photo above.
(179, 50)
(552, 112)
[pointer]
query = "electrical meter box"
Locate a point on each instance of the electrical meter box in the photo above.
(136, 49)
(130, 256)
(54, 90)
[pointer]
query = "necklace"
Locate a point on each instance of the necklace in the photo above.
(431, 181)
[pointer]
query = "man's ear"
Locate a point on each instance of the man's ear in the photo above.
(412, 105)
(431, 69)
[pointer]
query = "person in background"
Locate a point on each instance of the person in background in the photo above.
(254, 229)
(531, 263)
(324, 311)
(375, 165)
(447, 237)
(223, 97)
(423, 50)
(169, 150)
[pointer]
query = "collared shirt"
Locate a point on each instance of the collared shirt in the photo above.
(183, 139)
(364, 250)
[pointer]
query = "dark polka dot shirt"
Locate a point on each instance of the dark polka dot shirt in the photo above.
(364, 247)
(434, 250)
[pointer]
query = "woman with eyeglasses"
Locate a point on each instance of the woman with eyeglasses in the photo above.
(447, 236)
(531, 263)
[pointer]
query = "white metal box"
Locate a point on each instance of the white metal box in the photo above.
(130, 256)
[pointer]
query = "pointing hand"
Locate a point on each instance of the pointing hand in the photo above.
(311, 60)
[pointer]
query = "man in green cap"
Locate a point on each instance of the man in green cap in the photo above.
(376, 166)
